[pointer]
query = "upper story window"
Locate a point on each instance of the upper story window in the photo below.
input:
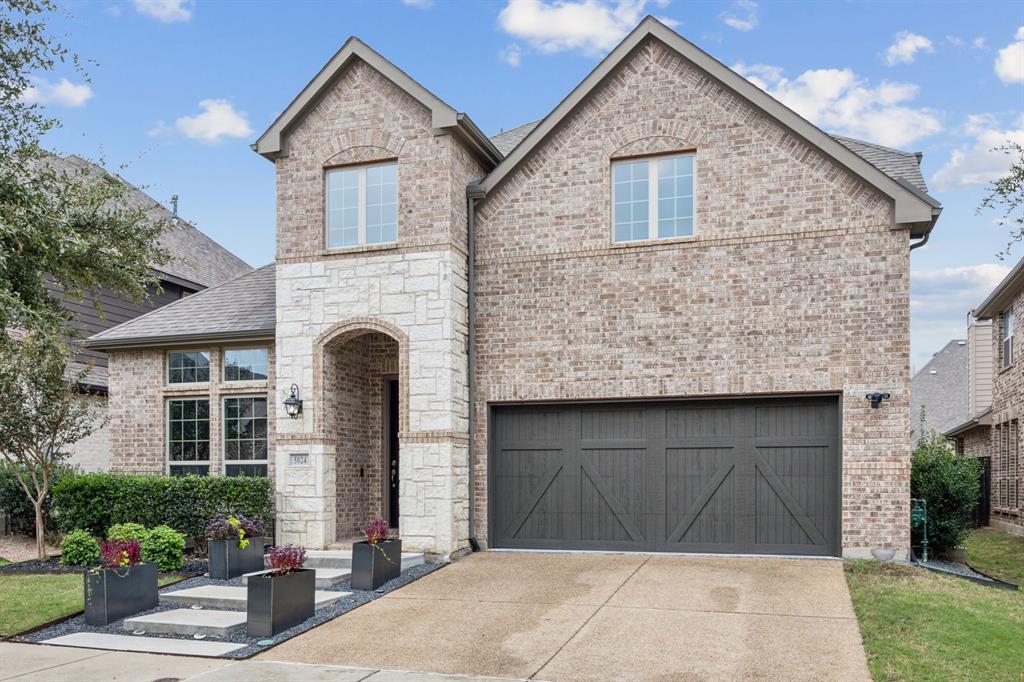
(1007, 338)
(652, 198)
(245, 364)
(188, 367)
(362, 205)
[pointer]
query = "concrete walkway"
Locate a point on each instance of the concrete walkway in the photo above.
(575, 617)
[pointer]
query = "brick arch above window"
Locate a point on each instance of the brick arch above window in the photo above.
(362, 146)
(654, 137)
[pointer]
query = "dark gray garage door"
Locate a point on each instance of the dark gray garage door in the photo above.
(746, 476)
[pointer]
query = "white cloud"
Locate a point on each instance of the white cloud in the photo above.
(418, 4)
(167, 11)
(906, 47)
(1010, 60)
(742, 17)
(218, 119)
(511, 55)
(975, 163)
(840, 101)
(940, 299)
(592, 27)
(62, 93)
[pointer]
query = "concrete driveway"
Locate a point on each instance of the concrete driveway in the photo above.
(604, 617)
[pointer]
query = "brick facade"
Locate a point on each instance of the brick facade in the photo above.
(1007, 413)
(793, 282)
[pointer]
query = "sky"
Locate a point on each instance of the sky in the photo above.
(179, 89)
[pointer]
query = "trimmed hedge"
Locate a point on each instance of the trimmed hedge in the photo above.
(78, 548)
(95, 502)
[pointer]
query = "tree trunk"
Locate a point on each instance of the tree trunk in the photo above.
(40, 533)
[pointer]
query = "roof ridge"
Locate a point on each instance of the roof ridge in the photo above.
(192, 297)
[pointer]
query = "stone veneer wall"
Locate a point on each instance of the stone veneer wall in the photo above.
(794, 282)
(1007, 413)
(413, 291)
(138, 392)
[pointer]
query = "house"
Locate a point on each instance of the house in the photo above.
(197, 262)
(938, 391)
(993, 431)
(648, 321)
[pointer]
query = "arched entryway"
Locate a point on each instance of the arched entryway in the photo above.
(363, 411)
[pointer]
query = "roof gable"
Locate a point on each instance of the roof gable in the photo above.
(443, 117)
(913, 208)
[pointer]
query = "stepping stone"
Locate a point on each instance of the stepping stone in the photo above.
(342, 558)
(231, 597)
(189, 622)
(326, 578)
(154, 645)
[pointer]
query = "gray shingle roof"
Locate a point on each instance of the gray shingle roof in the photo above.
(241, 308)
(941, 388)
(893, 162)
(197, 258)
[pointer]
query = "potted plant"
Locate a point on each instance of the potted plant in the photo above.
(123, 585)
(282, 596)
(377, 559)
(235, 545)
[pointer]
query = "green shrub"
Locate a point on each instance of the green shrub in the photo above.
(97, 501)
(127, 531)
(949, 485)
(15, 503)
(166, 547)
(78, 548)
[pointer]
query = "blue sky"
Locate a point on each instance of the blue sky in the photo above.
(180, 89)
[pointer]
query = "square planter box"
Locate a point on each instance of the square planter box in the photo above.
(277, 602)
(113, 593)
(227, 561)
(374, 566)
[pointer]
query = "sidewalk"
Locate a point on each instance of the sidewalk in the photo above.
(39, 663)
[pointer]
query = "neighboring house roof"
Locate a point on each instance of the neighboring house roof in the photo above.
(981, 420)
(197, 259)
(243, 308)
(941, 389)
(1004, 293)
(507, 140)
(913, 207)
(444, 117)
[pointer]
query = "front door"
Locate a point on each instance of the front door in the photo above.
(391, 449)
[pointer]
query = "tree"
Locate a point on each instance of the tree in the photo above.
(1006, 195)
(41, 413)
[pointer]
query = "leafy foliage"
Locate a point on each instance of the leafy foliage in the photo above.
(949, 485)
(1006, 195)
(164, 546)
(17, 505)
(78, 548)
(120, 553)
(186, 503)
(238, 527)
(127, 531)
(284, 560)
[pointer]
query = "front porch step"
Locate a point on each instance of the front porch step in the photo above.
(342, 558)
(153, 645)
(326, 578)
(189, 622)
(231, 597)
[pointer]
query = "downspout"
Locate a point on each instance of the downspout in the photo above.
(474, 192)
(924, 240)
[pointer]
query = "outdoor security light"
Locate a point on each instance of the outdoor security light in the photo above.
(876, 398)
(293, 403)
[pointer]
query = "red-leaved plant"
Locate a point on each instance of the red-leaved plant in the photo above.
(121, 553)
(376, 531)
(284, 560)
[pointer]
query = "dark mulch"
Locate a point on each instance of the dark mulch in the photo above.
(193, 567)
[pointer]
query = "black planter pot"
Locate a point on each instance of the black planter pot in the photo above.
(374, 566)
(113, 593)
(277, 602)
(227, 561)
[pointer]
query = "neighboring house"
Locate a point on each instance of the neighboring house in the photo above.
(199, 262)
(647, 322)
(993, 431)
(938, 392)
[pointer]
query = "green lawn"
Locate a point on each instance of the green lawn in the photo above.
(918, 625)
(997, 554)
(30, 600)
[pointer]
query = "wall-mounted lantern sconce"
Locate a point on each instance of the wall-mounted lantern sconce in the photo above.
(876, 398)
(293, 403)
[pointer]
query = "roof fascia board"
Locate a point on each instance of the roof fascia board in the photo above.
(909, 208)
(179, 340)
(1003, 294)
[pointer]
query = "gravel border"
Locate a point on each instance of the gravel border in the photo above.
(960, 570)
(356, 599)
